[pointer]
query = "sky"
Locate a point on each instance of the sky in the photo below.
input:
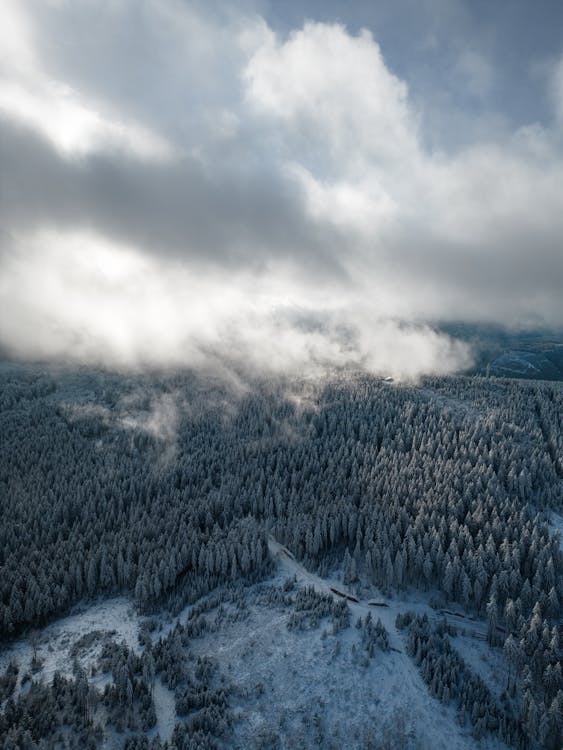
(287, 186)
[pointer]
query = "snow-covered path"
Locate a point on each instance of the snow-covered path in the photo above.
(387, 614)
(261, 650)
(402, 685)
(165, 709)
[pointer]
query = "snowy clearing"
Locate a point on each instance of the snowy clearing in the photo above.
(308, 686)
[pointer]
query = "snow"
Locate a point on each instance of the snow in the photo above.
(165, 709)
(284, 679)
(115, 617)
(515, 361)
(307, 686)
(56, 641)
(486, 662)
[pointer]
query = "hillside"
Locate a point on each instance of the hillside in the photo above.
(245, 527)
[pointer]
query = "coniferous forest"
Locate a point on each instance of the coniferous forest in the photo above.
(281, 375)
(176, 492)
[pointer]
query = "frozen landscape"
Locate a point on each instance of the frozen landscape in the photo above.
(281, 375)
(311, 687)
(276, 611)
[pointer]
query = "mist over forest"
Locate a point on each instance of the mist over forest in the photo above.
(281, 367)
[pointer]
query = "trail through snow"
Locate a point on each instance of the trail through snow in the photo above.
(401, 684)
(299, 670)
(165, 709)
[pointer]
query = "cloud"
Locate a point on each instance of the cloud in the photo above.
(476, 72)
(557, 90)
(141, 411)
(74, 125)
(474, 234)
(321, 75)
(89, 300)
(267, 200)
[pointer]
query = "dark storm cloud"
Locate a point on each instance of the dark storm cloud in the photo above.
(177, 208)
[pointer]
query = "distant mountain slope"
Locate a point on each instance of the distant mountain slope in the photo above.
(527, 364)
(535, 355)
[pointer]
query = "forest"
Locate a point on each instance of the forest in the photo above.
(167, 489)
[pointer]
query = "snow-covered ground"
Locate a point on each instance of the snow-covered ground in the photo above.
(488, 663)
(519, 362)
(391, 683)
(165, 710)
(312, 687)
(56, 643)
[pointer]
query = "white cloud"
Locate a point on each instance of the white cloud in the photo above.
(73, 124)
(81, 297)
(467, 235)
(336, 89)
(356, 206)
(313, 229)
(16, 39)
